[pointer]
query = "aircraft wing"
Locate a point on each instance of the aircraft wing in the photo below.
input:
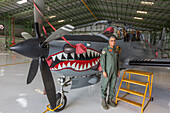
(150, 62)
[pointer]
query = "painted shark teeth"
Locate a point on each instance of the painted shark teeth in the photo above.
(84, 66)
(96, 62)
(93, 64)
(72, 54)
(86, 57)
(59, 66)
(81, 68)
(78, 55)
(64, 66)
(77, 67)
(89, 66)
(68, 65)
(73, 66)
(84, 54)
(96, 54)
(53, 57)
(59, 56)
(65, 55)
(89, 54)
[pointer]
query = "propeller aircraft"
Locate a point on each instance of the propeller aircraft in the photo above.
(55, 54)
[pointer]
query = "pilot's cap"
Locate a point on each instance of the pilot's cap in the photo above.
(115, 34)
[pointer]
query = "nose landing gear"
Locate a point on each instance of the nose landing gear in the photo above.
(60, 96)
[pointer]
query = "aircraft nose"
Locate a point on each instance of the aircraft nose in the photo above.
(14, 48)
(30, 48)
(17, 48)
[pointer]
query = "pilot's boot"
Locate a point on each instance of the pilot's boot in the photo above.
(110, 102)
(104, 104)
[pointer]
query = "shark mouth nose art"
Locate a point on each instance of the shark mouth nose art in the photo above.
(76, 62)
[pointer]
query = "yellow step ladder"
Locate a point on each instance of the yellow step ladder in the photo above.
(128, 91)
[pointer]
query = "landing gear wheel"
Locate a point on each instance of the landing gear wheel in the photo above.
(152, 99)
(58, 99)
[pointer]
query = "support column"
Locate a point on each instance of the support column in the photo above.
(9, 27)
(12, 31)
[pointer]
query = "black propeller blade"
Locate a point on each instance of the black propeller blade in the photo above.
(33, 70)
(31, 48)
(37, 48)
(48, 82)
(37, 30)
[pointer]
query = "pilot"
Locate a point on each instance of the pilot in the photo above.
(109, 61)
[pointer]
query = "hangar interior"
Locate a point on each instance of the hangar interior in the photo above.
(149, 17)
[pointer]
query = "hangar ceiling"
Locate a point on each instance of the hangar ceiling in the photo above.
(77, 14)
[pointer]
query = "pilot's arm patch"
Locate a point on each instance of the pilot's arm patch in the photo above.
(103, 52)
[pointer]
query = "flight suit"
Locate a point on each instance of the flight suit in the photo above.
(109, 61)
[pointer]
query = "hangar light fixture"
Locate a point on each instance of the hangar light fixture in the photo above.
(143, 12)
(147, 3)
(52, 16)
(22, 1)
(138, 18)
(1, 27)
(61, 21)
(168, 68)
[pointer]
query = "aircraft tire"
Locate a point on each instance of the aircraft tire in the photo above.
(58, 98)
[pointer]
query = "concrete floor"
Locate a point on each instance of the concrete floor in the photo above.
(17, 97)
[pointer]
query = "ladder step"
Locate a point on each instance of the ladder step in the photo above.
(134, 82)
(132, 92)
(138, 72)
(129, 101)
